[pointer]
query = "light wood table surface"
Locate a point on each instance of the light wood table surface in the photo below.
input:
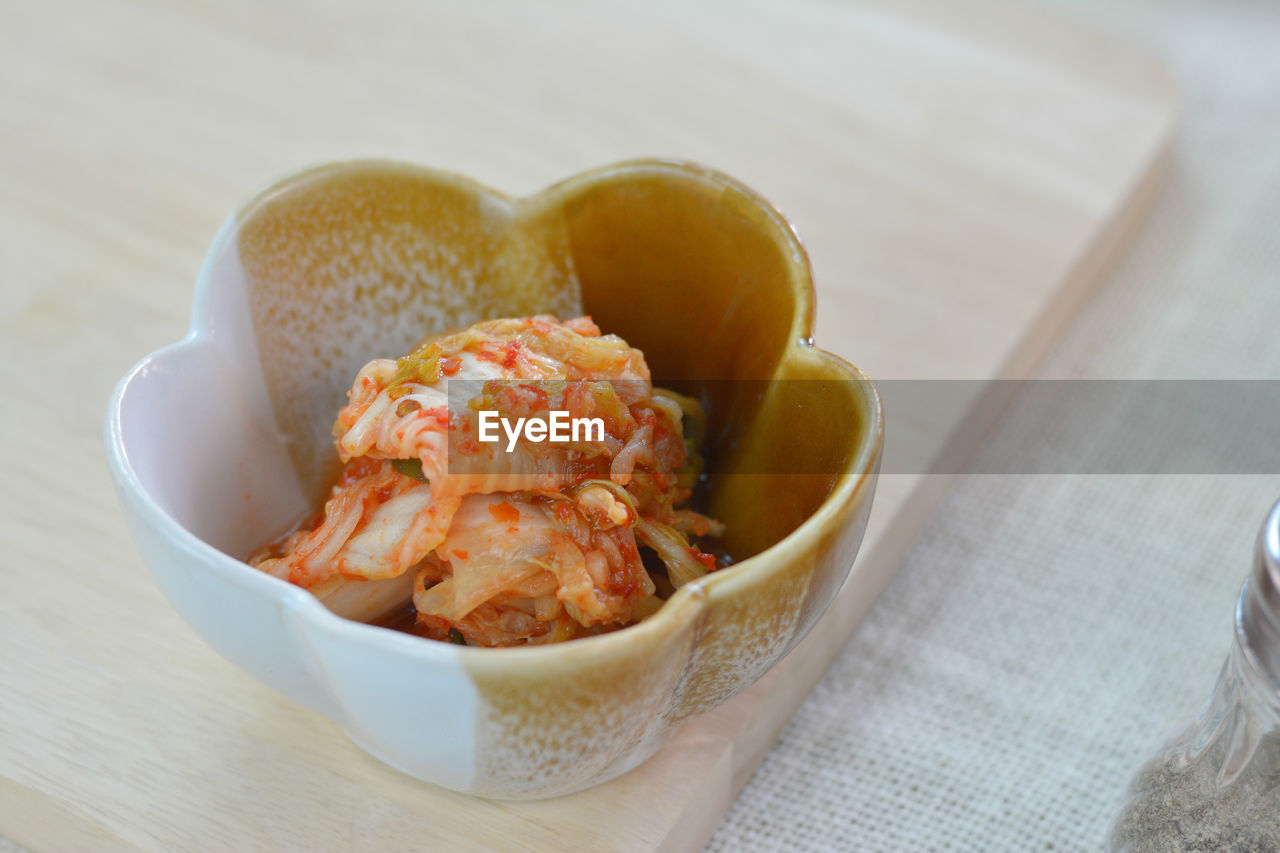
(958, 170)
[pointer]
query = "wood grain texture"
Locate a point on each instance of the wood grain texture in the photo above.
(958, 170)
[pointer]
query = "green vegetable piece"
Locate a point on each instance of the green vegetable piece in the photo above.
(410, 468)
(455, 636)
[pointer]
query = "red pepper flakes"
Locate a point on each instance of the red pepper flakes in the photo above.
(504, 512)
(706, 559)
(510, 353)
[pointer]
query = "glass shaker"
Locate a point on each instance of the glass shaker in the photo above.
(1216, 787)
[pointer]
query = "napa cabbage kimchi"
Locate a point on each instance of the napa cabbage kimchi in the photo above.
(515, 541)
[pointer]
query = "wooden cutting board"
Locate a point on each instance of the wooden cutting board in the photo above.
(959, 170)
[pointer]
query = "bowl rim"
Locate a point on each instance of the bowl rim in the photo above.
(851, 483)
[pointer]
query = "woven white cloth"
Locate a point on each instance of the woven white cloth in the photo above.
(1047, 633)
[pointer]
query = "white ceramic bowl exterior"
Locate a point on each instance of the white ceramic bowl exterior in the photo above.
(202, 472)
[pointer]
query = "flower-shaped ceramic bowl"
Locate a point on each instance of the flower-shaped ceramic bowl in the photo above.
(218, 442)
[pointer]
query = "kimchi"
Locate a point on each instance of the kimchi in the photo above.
(521, 540)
